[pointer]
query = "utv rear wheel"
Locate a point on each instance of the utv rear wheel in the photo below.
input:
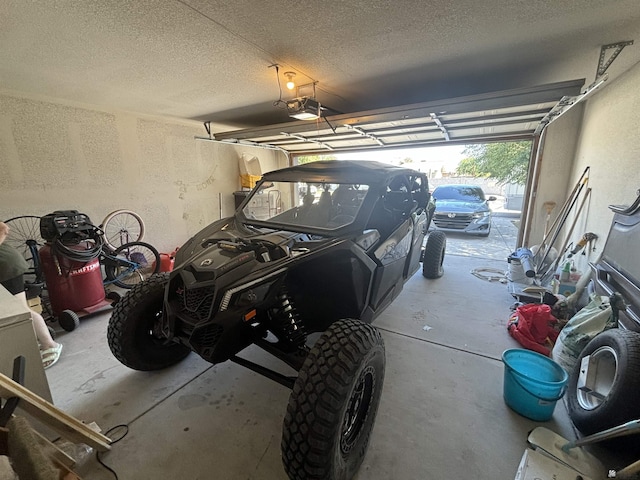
(333, 404)
(434, 255)
(132, 328)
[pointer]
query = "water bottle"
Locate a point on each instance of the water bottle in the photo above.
(566, 272)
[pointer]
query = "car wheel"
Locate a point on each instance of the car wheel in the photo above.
(604, 385)
(333, 404)
(131, 334)
(433, 259)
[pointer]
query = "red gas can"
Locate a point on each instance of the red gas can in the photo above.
(72, 285)
(167, 260)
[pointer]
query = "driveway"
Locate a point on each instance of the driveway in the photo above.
(500, 243)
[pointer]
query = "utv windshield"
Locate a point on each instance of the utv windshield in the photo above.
(301, 204)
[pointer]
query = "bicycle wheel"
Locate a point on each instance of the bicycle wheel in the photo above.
(122, 226)
(132, 263)
(24, 236)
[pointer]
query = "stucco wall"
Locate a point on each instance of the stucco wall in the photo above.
(55, 156)
(604, 134)
(609, 142)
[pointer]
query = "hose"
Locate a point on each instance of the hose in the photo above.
(480, 273)
(60, 248)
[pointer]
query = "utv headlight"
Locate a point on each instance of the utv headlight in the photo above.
(252, 296)
(249, 293)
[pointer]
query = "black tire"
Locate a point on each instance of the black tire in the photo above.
(130, 331)
(146, 258)
(433, 259)
(340, 382)
(115, 297)
(616, 354)
(68, 320)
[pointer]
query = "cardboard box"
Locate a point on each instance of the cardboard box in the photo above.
(249, 165)
(35, 304)
(249, 181)
(536, 466)
(250, 170)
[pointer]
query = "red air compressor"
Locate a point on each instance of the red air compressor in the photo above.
(71, 268)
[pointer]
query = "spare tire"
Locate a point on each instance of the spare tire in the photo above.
(604, 387)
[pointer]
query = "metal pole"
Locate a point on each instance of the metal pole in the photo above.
(561, 218)
(566, 239)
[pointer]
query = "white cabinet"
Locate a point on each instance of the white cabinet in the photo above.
(17, 337)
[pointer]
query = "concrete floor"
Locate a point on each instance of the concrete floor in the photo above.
(442, 413)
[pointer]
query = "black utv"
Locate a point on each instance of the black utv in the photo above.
(318, 248)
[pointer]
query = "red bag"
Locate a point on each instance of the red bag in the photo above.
(532, 325)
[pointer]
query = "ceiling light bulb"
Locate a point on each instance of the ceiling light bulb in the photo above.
(290, 76)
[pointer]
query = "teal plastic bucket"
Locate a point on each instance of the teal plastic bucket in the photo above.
(533, 383)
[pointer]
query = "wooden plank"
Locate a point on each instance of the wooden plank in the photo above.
(66, 425)
(54, 452)
(65, 473)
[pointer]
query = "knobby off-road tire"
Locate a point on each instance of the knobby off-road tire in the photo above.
(617, 354)
(130, 332)
(434, 255)
(333, 404)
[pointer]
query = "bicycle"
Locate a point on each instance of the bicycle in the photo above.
(24, 236)
(129, 264)
(122, 226)
(119, 227)
(72, 235)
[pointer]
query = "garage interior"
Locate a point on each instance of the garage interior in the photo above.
(151, 106)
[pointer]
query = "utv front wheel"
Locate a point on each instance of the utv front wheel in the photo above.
(131, 332)
(434, 255)
(333, 404)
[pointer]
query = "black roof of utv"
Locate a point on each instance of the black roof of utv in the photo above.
(342, 171)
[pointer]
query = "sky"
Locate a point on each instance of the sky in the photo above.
(424, 159)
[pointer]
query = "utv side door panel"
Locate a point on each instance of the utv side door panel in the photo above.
(391, 256)
(419, 221)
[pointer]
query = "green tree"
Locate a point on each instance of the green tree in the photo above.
(507, 162)
(314, 158)
(468, 166)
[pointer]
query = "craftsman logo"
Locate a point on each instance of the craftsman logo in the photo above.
(206, 262)
(86, 269)
(451, 215)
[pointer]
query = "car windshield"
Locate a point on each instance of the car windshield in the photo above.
(305, 204)
(459, 192)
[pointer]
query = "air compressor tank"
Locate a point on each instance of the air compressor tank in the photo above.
(72, 285)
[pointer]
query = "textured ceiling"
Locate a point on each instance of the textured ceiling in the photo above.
(209, 60)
